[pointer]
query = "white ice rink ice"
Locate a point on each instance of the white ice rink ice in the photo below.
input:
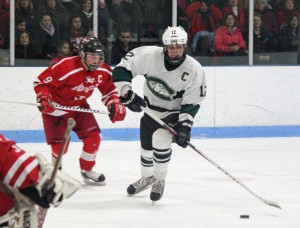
(197, 194)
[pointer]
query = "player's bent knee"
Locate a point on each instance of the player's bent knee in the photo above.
(92, 142)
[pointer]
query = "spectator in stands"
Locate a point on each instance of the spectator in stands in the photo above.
(269, 21)
(46, 36)
(24, 9)
(58, 12)
(103, 22)
(264, 40)
(74, 34)
(86, 15)
(234, 7)
(4, 57)
(205, 18)
(20, 26)
(286, 13)
(228, 38)
(289, 36)
(121, 46)
(26, 47)
(62, 52)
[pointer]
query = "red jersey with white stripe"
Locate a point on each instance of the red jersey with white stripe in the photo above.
(17, 168)
(70, 84)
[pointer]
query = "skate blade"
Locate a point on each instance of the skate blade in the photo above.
(93, 183)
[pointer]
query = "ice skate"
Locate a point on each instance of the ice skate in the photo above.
(92, 177)
(140, 185)
(157, 190)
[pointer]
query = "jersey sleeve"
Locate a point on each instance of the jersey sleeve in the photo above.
(17, 168)
(108, 89)
(194, 95)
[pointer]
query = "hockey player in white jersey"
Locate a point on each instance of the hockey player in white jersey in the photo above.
(173, 90)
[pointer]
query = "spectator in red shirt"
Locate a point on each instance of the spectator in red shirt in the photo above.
(228, 38)
(204, 19)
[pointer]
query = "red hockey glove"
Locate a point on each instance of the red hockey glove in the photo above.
(117, 111)
(45, 101)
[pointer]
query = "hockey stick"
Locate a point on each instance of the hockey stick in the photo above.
(173, 132)
(60, 107)
(42, 211)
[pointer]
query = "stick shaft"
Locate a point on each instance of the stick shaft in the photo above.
(173, 132)
(42, 211)
(60, 107)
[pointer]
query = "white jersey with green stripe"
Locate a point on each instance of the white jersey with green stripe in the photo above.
(180, 90)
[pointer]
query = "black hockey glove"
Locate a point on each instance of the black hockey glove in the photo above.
(133, 101)
(183, 129)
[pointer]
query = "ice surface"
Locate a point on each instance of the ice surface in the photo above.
(197, 194)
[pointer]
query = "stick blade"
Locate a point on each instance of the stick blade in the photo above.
(271, 203)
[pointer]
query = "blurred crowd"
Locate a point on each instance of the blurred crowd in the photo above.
(221, 28)
(52, 29)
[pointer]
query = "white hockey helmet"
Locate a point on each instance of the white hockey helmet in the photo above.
(174, 35)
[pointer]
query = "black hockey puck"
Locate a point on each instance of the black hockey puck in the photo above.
(244, 216)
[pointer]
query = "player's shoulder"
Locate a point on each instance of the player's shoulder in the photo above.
(105, 68)
(192, 66)
(67, 64)
(149, 50)
(66, 61)
(192, 62)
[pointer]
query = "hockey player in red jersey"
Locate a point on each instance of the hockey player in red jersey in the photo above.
(23, 186)
(69, 83)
